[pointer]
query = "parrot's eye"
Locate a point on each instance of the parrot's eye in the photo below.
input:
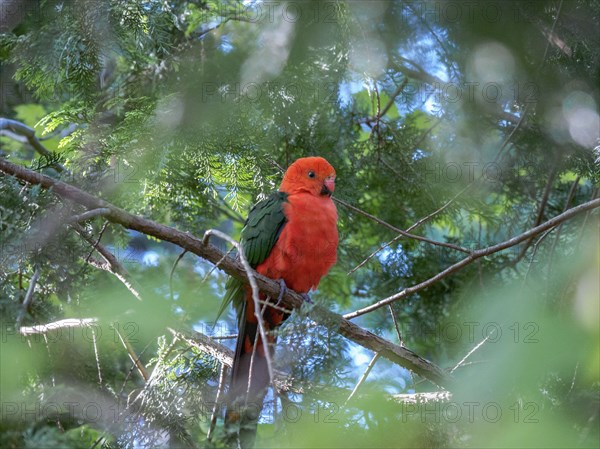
(311, 174)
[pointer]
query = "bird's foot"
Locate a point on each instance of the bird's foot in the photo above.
(306, 298)
(282, 291)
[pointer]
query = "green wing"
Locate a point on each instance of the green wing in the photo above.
(262, 229)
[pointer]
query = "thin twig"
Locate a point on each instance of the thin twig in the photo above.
(134, 358)
(95, 344)
(363, 378)
(215, 266)
(573, 380)
(112, 263)
(380, 113)
(422, 19)
(50, 359)
(595, 192)
(173, 271)
(400, 339)
(425, 134)
(28, 296)
(534, 252)
(133, 367)
(477, 346)
(236, 17)
(97, 242)
(98, 441)
(551, 33)
(88, 215)
(215, 410)
(395, 321)
(540, 214)
(131, 285)
(440, 209)
(557, 237)
(251, 367)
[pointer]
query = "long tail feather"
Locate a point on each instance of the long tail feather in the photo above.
(249, 382)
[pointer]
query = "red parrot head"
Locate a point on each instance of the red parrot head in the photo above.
(312, 175)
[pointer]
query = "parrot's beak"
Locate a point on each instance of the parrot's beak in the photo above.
(328, 186)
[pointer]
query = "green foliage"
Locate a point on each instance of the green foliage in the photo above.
(187, 113)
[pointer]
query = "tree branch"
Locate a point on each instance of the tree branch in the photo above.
(29, 133)
(423, 398)
(61, 324)
(478, 254)
(291, 299)
(112, 263)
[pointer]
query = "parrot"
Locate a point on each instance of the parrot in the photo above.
(292, 237)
